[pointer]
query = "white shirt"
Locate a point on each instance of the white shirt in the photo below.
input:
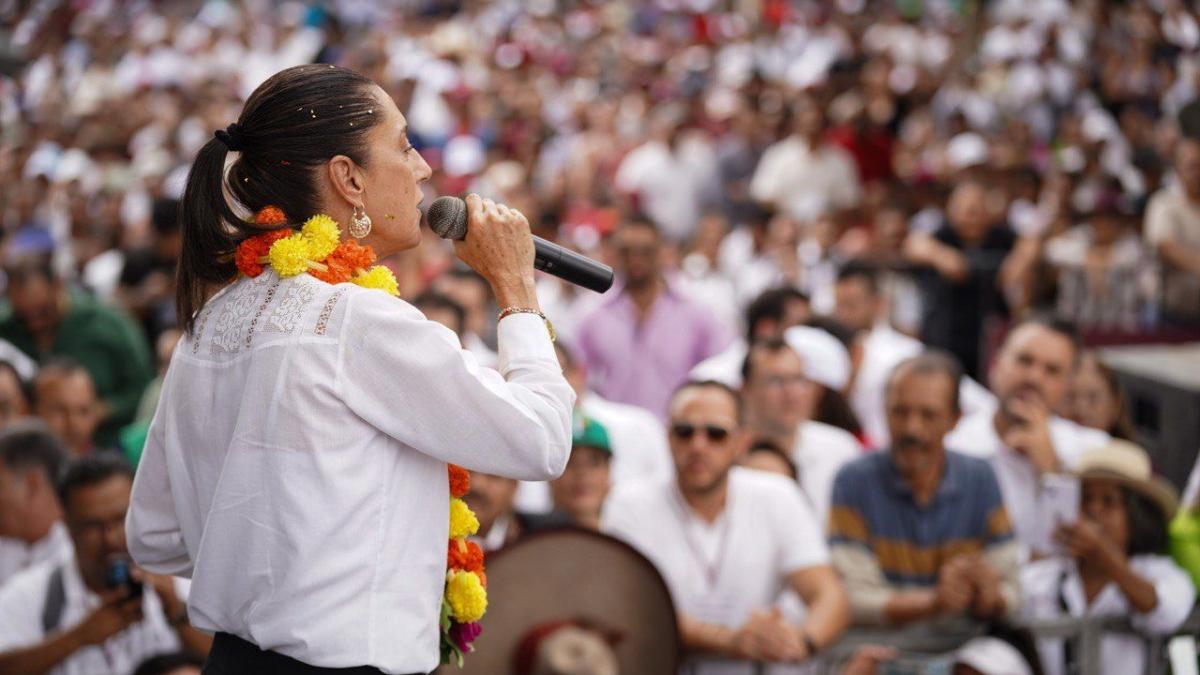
(16, 555)
(805, 183)
(296, 466)
(821, 450)
(23, 600)
(1019, 481)
(1042, 582)
(883, 349)
(720, 572)
(639, 445)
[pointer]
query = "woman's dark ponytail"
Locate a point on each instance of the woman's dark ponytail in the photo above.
(290, 126)
(206, 226)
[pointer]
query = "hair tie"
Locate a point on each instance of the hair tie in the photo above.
(231, 137)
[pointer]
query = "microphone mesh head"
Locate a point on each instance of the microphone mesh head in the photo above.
(448, 217)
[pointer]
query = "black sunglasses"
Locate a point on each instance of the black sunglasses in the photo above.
(686, 431)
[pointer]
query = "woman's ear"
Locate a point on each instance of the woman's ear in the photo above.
(347, 179)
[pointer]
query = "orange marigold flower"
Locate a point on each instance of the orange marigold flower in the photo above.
(251, 250)
(353, 255)
(460, 481)
(465, 556)
(336, 272)
(270, 215)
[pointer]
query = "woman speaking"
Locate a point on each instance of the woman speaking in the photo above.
(296, 469)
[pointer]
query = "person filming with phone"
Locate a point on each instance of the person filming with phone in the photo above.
(1116, 564)
(1022, 438)
(97, 613)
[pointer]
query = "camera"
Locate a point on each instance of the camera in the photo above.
(120, 575)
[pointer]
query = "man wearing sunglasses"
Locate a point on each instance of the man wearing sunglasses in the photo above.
(727, 540)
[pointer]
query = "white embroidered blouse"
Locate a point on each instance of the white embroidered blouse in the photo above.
(296, 467)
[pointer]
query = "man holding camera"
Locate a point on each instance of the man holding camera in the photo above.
(95, 613)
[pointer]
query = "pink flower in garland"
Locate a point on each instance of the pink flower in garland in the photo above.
(463, 634)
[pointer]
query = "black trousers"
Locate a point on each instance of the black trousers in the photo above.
(232, 655)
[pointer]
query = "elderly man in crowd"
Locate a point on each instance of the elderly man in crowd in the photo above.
(1022, 438)
(94, 612)
(727, 539)
(920, 534)
(31, 527)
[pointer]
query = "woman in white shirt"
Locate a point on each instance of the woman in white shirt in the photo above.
(1117, 567)
(296, 467)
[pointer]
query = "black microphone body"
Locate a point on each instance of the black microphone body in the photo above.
(448, 219)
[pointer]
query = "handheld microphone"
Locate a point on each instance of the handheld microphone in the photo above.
(448, 219)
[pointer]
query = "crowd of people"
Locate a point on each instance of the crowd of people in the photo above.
(862, 247)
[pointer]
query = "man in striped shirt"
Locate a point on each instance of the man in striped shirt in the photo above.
(920, 534)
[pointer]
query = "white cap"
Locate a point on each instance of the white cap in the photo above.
(966, 149)
(826, 360)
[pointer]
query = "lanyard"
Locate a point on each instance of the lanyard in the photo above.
(712, 568)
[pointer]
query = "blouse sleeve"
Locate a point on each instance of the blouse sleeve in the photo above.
(152, 529)
(410, 378)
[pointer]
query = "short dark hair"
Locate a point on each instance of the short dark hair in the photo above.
(435, 300)
(30, 267)
(771, 304)
(90, 470)
(862, 270)
(769, 346)
(711, 384)
(162, 664)
(61, 366)
(1147, 525)
(771, 447)
(836, 328)
(932, 362)
(28, 444)
(1055, 324)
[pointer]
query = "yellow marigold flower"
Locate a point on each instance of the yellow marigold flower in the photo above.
(378, 277)
(463, 522)
(466, 595)
(290, 255)
(322, 234)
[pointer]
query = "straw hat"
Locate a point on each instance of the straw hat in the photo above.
(590, 592)
(1129, 464)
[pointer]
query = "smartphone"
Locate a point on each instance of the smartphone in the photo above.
(120, 575)
(1058, 500)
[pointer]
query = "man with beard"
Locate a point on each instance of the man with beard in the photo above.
(644, 338)
(1022, 439)
(920, 535)
(727, 539)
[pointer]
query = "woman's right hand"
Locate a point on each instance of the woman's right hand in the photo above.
(499, 247)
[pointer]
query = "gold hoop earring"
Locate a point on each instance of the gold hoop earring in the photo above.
(360, 223)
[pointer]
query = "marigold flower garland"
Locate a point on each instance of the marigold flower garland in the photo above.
(318, 250)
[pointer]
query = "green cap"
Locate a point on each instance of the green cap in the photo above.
(589, 432)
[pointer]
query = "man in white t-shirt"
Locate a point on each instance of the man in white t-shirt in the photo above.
(31, 528)
(94, 613)
(777, 395)
(1022, 438)
(728, 540)
(1173, 229)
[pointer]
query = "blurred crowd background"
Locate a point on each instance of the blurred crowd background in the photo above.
(891, 175)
